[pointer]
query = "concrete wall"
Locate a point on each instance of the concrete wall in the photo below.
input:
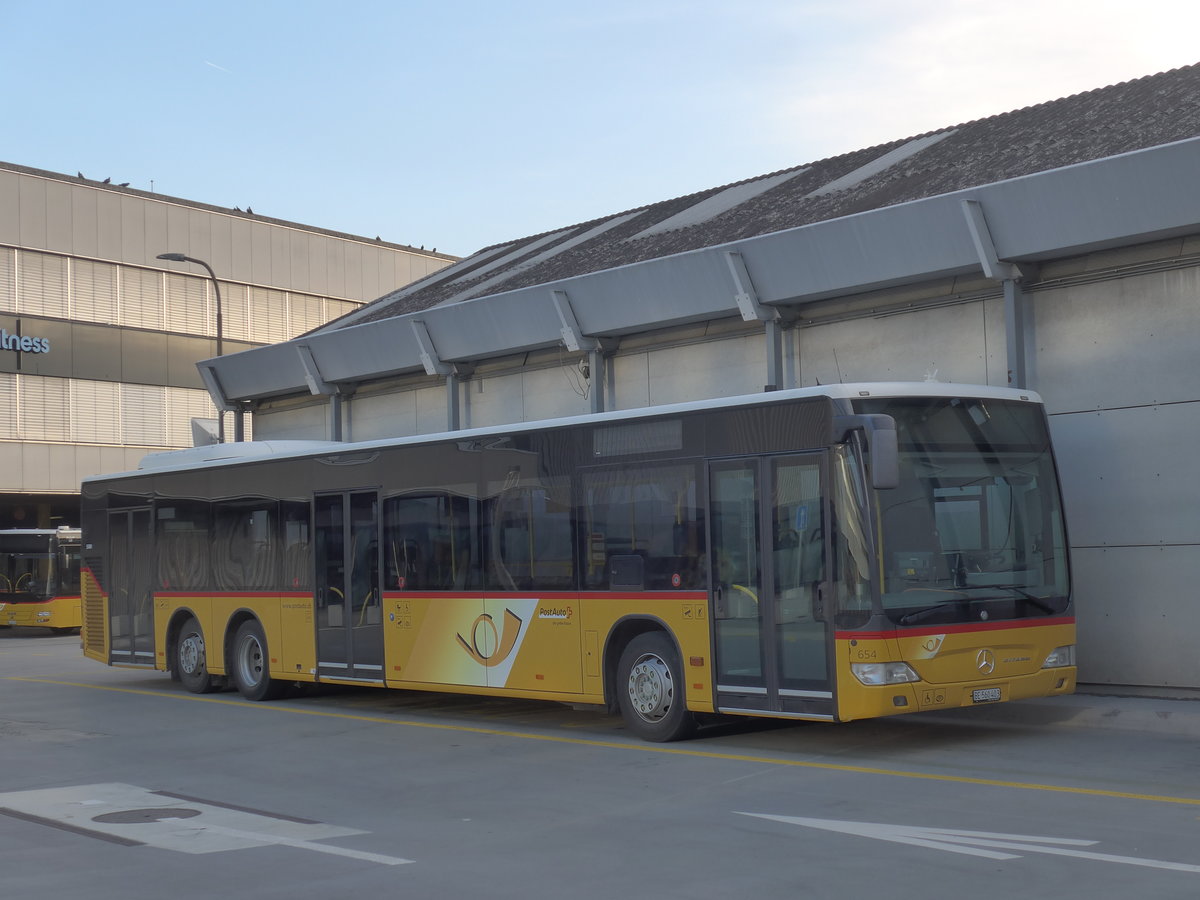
(1116, 363)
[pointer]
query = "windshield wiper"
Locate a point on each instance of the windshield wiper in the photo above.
(1032, 599)
(918, 614)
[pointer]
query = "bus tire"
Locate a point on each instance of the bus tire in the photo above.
(251, 664)
(650, 689)
(191, 659)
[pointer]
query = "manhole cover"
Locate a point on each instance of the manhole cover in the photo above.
(137, 816)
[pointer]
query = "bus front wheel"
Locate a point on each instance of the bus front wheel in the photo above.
(191, 661)
(251, 663)
(650, 689)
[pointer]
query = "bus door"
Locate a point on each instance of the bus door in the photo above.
(768, 558)
(131, 568)
(347, 592)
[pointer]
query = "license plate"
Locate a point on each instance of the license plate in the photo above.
(985, 695)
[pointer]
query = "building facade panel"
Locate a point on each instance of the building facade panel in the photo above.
(31, 206)
(379, 415)
(281, 258)
(1120, 341)
(493, 400)
(134, 233)
(36, 476)
(85, 235)
(431, 409)
(108, 226)
(298, 421)
(316, 279)
(722, 368)
(261, 249)
(10, 208)
(948, 343)
(356, 282)
(1137, 624)
(551, 393)
(96, 352)
(60, 229)
(1128, 474)
(11, 454)
(241, 249)
(630, 381)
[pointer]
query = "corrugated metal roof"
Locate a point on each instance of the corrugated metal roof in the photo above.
(1145, 112)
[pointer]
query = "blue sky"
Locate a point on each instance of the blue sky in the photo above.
(461, 123)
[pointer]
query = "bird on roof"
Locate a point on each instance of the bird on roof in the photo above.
(249, 210)
(238, 208)
(123, 184)
(81, 175)
(107, 180)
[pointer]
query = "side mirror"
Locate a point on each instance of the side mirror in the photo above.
(883, 452)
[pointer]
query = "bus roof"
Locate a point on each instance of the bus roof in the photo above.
(218, 455)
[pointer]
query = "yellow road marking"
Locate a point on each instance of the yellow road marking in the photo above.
(644, 747)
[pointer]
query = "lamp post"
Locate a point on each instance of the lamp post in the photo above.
(179, 257)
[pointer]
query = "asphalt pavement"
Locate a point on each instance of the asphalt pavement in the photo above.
(1113, 707)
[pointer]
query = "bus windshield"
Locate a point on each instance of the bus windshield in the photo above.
(975, 531)
(26, 566)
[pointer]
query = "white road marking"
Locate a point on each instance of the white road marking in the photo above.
(129, 813)
(309, 845)
(973, 843)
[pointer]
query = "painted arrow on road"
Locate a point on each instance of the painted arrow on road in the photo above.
(973, 843)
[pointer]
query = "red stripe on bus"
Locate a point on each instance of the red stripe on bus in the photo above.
(180, 595)
(691, 596)
(902, 631)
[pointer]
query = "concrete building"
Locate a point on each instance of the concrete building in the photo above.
(1056, 248)
(99, 339)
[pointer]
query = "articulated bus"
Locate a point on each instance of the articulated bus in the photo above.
(39, 578)
(829, 554)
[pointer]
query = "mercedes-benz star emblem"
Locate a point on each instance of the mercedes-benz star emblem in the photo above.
(985, 662)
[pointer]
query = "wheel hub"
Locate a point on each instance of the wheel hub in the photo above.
(252, 661)
(651, 689)
(191, 651)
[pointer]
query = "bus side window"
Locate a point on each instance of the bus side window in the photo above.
(431, 542)
(530, 545)
(643, 528)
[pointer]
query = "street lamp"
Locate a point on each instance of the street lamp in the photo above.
(179, 257)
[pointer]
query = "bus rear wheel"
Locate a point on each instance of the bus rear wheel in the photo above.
(650, 689)
(191, 660)
(251, 665)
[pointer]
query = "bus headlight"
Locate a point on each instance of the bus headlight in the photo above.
(884, 673)
(1059, 657)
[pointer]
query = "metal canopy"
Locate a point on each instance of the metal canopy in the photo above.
(1133, 198)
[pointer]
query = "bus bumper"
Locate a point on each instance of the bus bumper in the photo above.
(859, 701)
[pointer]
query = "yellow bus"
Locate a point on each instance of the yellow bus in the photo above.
(829, 553)
(39, 578)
